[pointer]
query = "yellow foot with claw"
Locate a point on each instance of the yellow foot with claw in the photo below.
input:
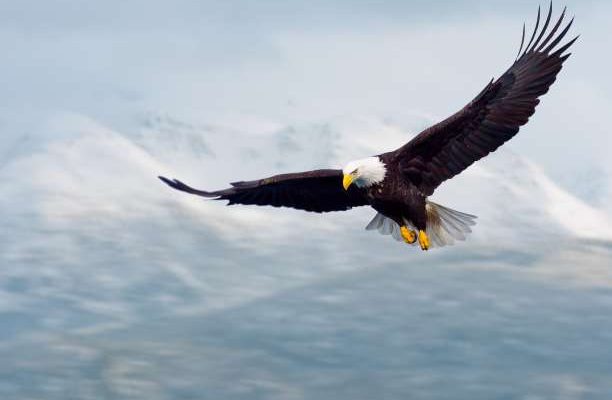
(408, 235)
(423, 240)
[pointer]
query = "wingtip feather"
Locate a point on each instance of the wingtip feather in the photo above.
(178, 185)
(522, 43)
(165, 180)
(543, 31)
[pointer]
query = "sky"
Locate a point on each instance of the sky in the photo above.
(113, 286)
(289, 61)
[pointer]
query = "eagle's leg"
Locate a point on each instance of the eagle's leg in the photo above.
(423, 240)
(408, 235)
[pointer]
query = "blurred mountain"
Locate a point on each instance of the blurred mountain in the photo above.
(85, 176)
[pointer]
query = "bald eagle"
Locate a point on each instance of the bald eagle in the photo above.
(397, 183)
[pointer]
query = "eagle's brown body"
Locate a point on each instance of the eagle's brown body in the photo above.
(398, 199)
(438, 153)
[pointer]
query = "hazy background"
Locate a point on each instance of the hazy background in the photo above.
(112, 286)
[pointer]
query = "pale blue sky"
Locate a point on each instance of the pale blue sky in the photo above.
(111, 60)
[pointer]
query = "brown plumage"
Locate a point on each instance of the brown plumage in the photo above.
(318, 191)
(414, 171)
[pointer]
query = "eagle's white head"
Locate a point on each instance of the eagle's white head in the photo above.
(364, 173)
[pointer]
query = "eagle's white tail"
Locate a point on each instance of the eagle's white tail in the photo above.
(386, 226)
(444, 226)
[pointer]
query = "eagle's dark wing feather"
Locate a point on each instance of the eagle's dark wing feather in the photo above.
(493, 117)
(318, 191)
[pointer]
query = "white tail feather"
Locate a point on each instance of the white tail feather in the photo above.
(444, 226)
(385, 226)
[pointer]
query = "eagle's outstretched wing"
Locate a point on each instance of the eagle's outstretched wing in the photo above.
(318, 191)
(493, 117)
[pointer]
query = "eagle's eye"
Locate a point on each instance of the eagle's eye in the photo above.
(355, 171)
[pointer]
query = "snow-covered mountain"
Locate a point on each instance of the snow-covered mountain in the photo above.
(86, 170)
(85, 173)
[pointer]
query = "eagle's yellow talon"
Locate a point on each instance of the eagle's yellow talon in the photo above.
(408, 235)
(423, 240)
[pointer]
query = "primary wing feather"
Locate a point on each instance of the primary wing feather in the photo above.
(492, 118)
(317, 191)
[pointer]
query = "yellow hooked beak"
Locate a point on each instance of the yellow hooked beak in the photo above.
(346, 181)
